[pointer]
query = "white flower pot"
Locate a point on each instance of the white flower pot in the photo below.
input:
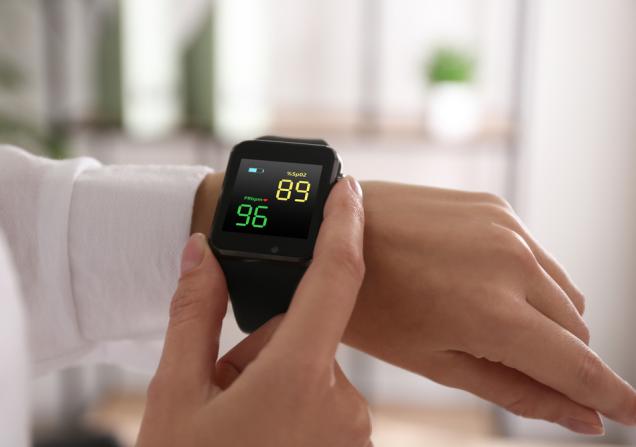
(453, 113)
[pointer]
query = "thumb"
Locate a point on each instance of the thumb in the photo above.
(196, 315)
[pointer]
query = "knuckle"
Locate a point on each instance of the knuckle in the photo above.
(353, 207)
(631, 405)
(303, 372)
(158, 388)
(579, 301)
(505, 321)
(523, 405)
(590, 371)
(488, 197)
(507, 317)
(308, 369)
(516, 251)
(349, 260)
(584, 333)
(501, 215)
(362, 426)
(187, 303)
(348, 207)
(363, 429)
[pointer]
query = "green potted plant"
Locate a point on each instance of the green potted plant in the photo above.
(453, 113)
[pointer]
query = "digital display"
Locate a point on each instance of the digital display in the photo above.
(273, 198)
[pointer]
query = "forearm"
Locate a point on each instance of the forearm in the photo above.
(381, 318)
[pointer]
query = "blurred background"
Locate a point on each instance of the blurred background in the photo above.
(532, 100)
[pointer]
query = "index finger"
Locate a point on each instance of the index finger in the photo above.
(323, 302)
(553, 356)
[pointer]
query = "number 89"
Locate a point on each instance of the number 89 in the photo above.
(285, 187)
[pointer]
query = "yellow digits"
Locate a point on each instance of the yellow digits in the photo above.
(285, 186)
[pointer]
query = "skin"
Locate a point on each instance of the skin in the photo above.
(457, 290)
(281, 386)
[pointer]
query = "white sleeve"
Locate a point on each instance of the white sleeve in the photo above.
(96, 247)
(15, 373)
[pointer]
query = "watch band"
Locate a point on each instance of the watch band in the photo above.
(315, 141)
(262, 289)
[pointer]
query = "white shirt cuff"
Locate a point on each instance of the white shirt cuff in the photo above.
(128, 225)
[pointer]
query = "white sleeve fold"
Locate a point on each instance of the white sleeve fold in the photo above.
(128, 225)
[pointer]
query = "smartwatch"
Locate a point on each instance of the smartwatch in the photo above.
(267, 220)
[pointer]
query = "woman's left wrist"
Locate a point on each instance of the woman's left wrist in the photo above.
(205, 203)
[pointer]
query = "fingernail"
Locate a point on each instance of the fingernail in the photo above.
(583, 427)
(193, 253)
(355, 186)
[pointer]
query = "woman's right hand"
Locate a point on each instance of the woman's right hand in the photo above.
(281, 385)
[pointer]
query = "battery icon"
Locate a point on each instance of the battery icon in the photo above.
(255, 170)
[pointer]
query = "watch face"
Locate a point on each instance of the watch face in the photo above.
(272, 200)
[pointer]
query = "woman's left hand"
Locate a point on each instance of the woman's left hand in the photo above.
(457, 290)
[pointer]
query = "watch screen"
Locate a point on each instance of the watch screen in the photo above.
(273, 198)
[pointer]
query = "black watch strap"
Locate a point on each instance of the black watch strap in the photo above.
(262, 289)
(315, 141)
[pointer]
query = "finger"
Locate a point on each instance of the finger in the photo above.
(547, 297)
(558, 273)
(196, 314)
(234, 362)
(546, 261)
(550, 354)
(514, 391)
(325, 297)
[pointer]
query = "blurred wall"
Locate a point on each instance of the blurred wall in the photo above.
(21, 48)
(317, 54)
(579, 156)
